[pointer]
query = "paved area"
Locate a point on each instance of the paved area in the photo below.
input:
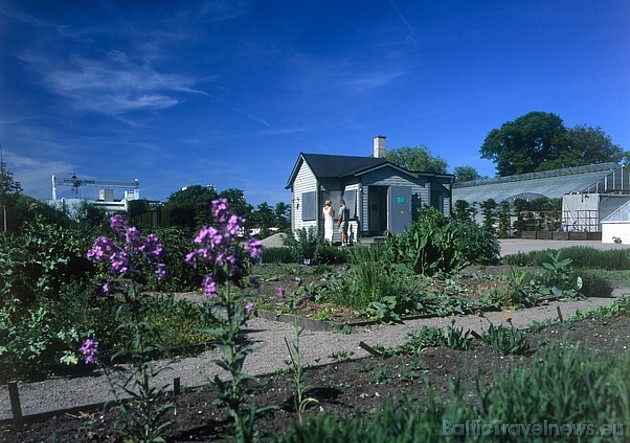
(514, 245)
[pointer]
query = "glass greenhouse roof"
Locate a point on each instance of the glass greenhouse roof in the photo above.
(604, 177)
(620, 215)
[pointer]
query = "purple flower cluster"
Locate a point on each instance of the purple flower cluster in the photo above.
(89, 349)
(219, 245)
(132, 245)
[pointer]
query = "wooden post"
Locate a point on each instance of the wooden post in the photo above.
(560, 314)
(16, 408)
(177, 387)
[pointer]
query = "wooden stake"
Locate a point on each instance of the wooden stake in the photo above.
(16, 408)
(370, 349)
(560, 314)
(177, 387)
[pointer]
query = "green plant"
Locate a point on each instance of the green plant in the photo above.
(506, 341)
(226, 254)
(305, 246)
(593, 285)
(341, 356)
(127, 257)
(278, 255)
(297, 370)
(567, 384)
(620, 307)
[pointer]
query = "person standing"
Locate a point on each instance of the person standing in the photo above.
(342, 222)
(329, 221)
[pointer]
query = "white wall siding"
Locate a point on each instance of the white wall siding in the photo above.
(305, 181)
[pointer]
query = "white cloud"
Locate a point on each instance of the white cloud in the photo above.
(113, 85)
(35, 175)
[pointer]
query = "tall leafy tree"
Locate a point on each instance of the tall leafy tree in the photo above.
(467, 174)
(417, 159)
(282, 211)
(539, 141)
(586, 145)
(189, 207)
(525, 144)
(10, 190)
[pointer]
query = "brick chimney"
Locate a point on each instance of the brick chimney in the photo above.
(379, 146)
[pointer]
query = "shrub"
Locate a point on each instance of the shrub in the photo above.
(371, 279)
(306, 245)
(594, 285)
(434, 244)
(40, 261)
(278, 255)
(587, 257)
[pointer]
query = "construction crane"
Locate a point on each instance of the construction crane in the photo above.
(76, 182)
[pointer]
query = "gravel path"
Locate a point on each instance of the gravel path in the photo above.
(317, 346)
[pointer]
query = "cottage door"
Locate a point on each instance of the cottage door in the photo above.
(398, 208)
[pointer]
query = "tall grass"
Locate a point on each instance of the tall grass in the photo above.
(371, 279)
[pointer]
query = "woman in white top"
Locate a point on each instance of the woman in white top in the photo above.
(329, 221)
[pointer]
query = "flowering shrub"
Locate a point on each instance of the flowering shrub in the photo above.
(228, 256)
(128, 258)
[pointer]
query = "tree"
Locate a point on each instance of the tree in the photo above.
(9, 192)
(525, 144)
(417, 159)
(282, 211)
(189, 207)
(238, 204)
(539, 141)
(467, 174)
(588, 145)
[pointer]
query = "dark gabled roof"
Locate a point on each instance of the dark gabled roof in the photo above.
(334, 166)
(339, 166)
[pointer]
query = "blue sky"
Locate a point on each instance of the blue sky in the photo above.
(229, 92)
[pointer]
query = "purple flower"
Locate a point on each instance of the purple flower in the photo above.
(250, 305)
(254, 247)
(105, 287)
(152, 248)
(234, 225)
(132, 238)
(118, 224)
(119, 262)
(210, 287)
(221, 210)
(160, 271)
(280, 292)
(89, 349)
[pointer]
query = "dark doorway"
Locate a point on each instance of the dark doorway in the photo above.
(377, 209)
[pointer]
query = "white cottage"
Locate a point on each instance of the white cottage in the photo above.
(380, 195)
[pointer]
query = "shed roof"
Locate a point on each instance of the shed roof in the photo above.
(552, 184)
(339, 166)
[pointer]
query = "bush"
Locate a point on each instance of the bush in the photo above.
(595, 286)
(587, 257)
(40, 261)
(434, 244)
(306, 245)
(277, 255)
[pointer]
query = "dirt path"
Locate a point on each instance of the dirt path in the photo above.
(317, 346)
